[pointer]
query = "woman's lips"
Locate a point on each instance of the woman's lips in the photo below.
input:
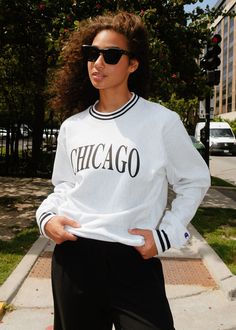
(97, 76)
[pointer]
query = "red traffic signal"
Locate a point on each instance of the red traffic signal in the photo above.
(211, 61)
(216, 39)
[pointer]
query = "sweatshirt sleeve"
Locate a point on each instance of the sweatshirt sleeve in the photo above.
(189, 176)
(63, 181)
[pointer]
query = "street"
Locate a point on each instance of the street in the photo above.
(223, 167)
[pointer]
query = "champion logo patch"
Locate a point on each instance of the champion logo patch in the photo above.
(186, 235)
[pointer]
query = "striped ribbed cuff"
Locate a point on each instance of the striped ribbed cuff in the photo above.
(43, 219)
(162, 240)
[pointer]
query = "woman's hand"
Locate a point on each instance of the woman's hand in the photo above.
(149, 249)
(55, 229)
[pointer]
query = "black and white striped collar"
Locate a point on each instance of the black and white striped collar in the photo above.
(115, 114)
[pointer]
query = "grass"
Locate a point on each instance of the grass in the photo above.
(221, 183)
(218, 227)
(13, 251)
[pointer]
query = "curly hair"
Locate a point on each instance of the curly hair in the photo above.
(71, 88)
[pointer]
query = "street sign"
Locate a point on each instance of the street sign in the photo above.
(202, 110)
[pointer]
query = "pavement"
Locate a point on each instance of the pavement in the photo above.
(224, 168)
(200, 288)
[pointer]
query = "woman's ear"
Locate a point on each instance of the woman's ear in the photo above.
(133, 65)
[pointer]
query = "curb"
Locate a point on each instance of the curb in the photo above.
(222, 187)
(215, 265)
(10, 287)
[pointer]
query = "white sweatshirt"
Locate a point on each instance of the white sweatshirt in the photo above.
(112, 170)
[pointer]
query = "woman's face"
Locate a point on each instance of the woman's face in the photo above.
(113, 77)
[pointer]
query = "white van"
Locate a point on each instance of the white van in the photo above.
(222, 139)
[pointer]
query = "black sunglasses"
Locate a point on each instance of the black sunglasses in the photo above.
(110, 55)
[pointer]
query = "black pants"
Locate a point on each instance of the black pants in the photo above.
(97, 284)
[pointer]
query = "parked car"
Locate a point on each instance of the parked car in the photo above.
(25, 131)
(50, 138)
(222, 139)
(3, 132)
(198, 145)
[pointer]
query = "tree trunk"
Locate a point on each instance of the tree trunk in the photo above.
(37, 135)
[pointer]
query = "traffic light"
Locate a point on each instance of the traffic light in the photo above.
(211, 59)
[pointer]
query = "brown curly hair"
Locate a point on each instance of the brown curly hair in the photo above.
(71, 88)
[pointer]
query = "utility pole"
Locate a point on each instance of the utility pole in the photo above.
(207, 129)
(209, 64)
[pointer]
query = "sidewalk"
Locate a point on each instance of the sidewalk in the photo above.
(200, 288)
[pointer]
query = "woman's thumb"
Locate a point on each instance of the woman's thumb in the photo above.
(72, 223)
(134, 231)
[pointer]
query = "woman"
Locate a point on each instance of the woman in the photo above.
(114, 161)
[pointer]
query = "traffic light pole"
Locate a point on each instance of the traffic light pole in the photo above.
(209, 64)
(213, 79)
(207, 129)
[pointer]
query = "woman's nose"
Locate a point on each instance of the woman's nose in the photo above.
(100, 60)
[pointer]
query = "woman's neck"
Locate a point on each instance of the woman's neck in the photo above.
(109, 102)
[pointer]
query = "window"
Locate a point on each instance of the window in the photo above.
(231, 52)
(221, 132)
(231, 23)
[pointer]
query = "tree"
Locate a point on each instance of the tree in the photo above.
(187, 110)
(28, 49)
(176, 41)
(32, 33)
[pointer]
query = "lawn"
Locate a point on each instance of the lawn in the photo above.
(11, 252)
(220, 183)
(218, 227)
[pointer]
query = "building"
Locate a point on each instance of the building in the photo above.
(225, 92)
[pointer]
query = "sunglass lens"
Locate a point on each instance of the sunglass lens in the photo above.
(91, 54)
(112, 56)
